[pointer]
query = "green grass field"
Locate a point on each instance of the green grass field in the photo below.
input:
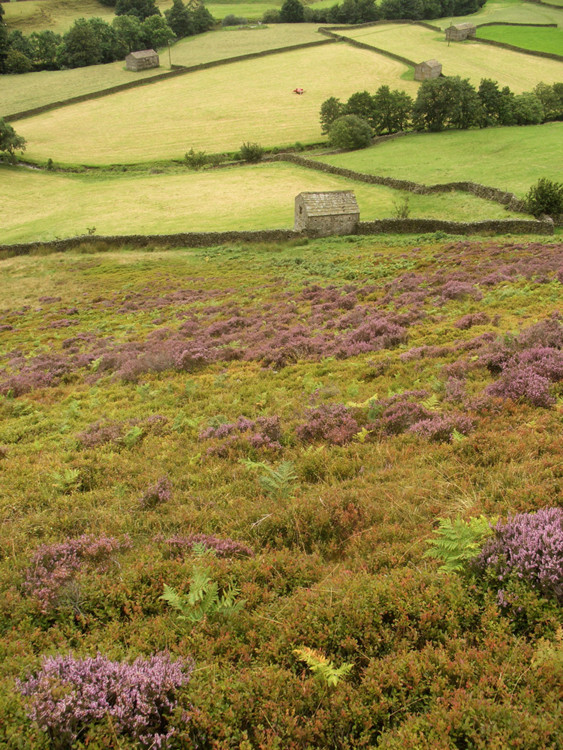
(214, 110)
(533, 38)
(507, 158)
(257, 197)
(509, 11)
(467, 59)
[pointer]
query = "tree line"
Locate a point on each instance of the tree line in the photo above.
(441, 103)
(365, 11)
(138, 24)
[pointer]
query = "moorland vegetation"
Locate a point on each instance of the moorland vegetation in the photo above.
(292, 495)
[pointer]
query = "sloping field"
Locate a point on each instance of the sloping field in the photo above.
(215, 110)
(257, 197)
(466, 59)
(509, 11)
(360, 376)
(507, 158)
(21, 92)
(233, 41)
(18, 92)
(527, 37)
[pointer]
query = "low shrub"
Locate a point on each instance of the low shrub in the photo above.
(350, 132)
(68, 695)
(251, 152)
(545, 197)
(332, 423)
(156, 494)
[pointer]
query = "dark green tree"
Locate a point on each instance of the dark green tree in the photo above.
(79, 47)
(545, 197)
(110, 46)
(392, 110)
(142, 9)
(128, 29)
(156, 32)
(360, 104)
(3, 39)
(465, 105)
(350, 132)
(44, 45)
(10, 141)
(180, 19)
(16, 40)
(203, 20)
(292, 11)
(528, 109)
(330, 110)
(551, 101)
(17, 62)
(446, 102)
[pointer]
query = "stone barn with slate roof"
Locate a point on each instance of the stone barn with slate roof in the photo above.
(460, 31)
(427, 69)
(323, 214)
(142, 60)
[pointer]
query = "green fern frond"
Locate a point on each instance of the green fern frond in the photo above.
(322, 667)
(458, 541)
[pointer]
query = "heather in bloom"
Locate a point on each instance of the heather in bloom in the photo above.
(442, 427)
(261, 433)
(332, 423)
(522, 382)
(69, 695)
(157, 493)
(528, 547)
(55, 565)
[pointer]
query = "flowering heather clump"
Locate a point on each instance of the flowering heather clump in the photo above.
(545, 333)
(530, 547)
(332, 423)
(157, 493)
(179, 545)
(100, 433)
(263, 432)
(440, 428)
(54, 565)
(522, 382)
(545, 360)
(68, 695)
(459, 290)
(473, 319)
(400, 415)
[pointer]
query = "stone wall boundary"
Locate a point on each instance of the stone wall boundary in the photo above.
(541, 2)
(369, 47)
(481, 191)
(177, 71)
(212, 239)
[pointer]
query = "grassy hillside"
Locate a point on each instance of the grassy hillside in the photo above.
(509, 11)
(215, 110)
(506, 158)
(260, 197)
(541, 40)
(149, 402)
(466, 59)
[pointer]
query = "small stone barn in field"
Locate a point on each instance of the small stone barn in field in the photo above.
(427, 69)
(142, 60)
(323, 214)
(460, 31)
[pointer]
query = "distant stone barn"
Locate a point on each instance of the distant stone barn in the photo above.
(427, 69)
(460, 31)
(142, 60)
(324, 214)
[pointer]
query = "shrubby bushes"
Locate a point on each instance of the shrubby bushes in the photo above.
(443, 103)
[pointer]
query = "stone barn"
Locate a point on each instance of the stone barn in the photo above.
(460, 31)
(142, 60)
(427, 69)
(323, 214)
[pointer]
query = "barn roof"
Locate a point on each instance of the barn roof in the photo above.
(431, 63)
(140, 54)
(334, 203)
(463, 26)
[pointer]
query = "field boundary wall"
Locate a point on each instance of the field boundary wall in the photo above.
(178, 70)
(211, 239)
(541, 2)
(481, 191)
(370, 47)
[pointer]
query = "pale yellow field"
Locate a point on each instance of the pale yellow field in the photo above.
(45, 205)
(231, 42)
(20, 92)
(213, 110)
(466, 59)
